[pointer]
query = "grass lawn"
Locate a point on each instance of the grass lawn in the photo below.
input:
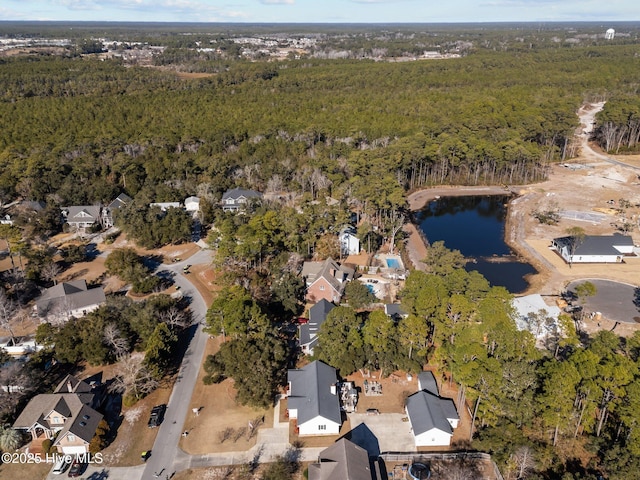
(18, 471)
(218, 411)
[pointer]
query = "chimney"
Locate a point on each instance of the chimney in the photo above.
(333, 389)
(69, 386)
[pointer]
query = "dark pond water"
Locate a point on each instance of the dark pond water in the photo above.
(475, 226)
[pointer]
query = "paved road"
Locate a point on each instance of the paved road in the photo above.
(165, 448)
(615, 300)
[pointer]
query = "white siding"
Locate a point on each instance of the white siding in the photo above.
(433, 438)
(73, 450)
(319, 426)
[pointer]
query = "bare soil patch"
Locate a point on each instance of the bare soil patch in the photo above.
(218, 410)
(21, 471)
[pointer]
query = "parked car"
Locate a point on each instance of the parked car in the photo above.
(157, 415)
(61, 465)
(77, 468)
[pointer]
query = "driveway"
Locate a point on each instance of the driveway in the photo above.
(391, 433)
(616, 301)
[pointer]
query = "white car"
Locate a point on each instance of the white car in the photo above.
(61, 464)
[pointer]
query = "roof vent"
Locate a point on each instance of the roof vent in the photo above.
(85, 416)
(83, 424)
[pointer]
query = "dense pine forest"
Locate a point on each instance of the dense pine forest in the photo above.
(360, 118)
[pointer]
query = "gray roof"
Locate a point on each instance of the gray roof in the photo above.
(121, 200)
(82, 214)
(597, 244)
(83, 425)
(236, 193)
(426, 381)
(335, 274)
(310, 392)
(40, 406)
(394, 310)
(74, 293)
(344, 460)
(317, 315)
(427, 411)
(72, 384)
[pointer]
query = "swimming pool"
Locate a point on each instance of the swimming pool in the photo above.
(370, 288)
(393, 263)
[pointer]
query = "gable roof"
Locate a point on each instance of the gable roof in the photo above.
(236, 193)
(427, 411)
(335, 274)
(120, 201)
(343, 460)
(317, 315)
(71, 384)
(394, 310)
(310, 392)
(427, 381)
(84, 213)
(83, 425)
(41, 406)
(75, 293)
(597, 244)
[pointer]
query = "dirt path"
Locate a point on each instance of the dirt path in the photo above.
(593, 182)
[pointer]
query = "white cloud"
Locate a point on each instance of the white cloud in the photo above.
(278, 2)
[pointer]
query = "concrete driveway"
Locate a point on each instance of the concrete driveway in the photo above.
(616, 301)
(391, 433)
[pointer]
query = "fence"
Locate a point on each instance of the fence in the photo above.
(426, 457)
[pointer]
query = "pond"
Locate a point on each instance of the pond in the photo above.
(475, 226)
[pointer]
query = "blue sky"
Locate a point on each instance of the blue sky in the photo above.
(331, 11)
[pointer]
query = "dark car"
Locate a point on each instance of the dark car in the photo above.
(77, 468)
(157, 415)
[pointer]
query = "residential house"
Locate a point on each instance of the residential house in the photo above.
(67, 416)
(25, 208)
(326, 280)
(349, 243)
(313, 399)
(6, 219)
(81, 217)
(69, 299)
(593, 248)
(343, 460)
(192, 204)
(432, 419)
(237, 198)
(533, 314)
(427, 382)
(308, 332)
(108, 212)
(395, 311)
(19, 346)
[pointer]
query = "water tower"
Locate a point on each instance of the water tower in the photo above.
(609, 34)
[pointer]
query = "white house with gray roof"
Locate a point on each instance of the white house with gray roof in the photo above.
(237, 198)
(81, 217)
(308, 332)
(432, 419)
(313, 399)
(69, 299)
(594, 248)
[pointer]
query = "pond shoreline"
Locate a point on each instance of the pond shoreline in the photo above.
(417, 244)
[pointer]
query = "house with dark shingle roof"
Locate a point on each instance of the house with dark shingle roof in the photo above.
(343, 460)
(593, 248)
(121, 201)
(308, 332)
(432, 419)
(326, 280)
(427, 382)
(66, 416)
(69, 299)
(313, 399)
(237, 198)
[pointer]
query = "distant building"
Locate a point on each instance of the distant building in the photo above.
(610, 34)
(594, 248)
(528, 307)
(69, 299)
(192, 204)
(237, 198)
(121, 201)
(81, 217)
(164, 206)
(349, 243)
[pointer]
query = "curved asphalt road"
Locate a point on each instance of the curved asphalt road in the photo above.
(615, 300)
(165, 448)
